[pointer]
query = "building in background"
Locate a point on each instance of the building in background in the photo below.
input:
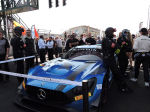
(83, 30)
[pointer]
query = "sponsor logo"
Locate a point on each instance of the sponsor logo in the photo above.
(41, 94)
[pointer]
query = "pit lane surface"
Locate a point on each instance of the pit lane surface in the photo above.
(137, 101)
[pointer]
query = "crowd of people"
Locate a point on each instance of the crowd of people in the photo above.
(127, 48)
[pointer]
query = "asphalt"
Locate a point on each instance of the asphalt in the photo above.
(136, 101)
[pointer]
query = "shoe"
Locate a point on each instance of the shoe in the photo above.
(133, 79)
(146, 84)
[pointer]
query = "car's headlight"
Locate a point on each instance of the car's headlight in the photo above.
(24, 85)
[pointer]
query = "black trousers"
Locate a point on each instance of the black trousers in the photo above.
(145, 62)
(29, 63)
(19, 65)
(123, 63)
(3, 67)
(50, 54)
(42, 53)
(117, 75)
(20, 69)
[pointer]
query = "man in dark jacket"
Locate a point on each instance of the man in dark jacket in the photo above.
(81, 42)
(29, 50)
(4, 52)
(71, 42)
(90, 40)
(18, 47)
(109, 48)
(125, 46)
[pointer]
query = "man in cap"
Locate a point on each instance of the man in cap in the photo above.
(141, 47)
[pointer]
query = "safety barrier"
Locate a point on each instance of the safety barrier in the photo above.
(84, 83)
(12, 60)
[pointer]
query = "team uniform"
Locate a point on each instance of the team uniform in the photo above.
(142, 54)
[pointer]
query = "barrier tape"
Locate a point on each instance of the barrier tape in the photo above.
(16, 59)
(62, 81)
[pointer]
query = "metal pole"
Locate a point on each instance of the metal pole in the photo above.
(149, 15)
(4, 17)
(85, 96)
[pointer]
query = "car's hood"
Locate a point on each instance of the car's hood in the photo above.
(64, 69)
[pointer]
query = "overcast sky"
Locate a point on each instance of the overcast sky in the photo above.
(96, 13)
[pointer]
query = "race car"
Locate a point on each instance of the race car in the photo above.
(78, 64)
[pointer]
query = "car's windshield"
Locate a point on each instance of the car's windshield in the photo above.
(84, 54)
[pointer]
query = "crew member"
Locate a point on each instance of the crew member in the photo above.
(142, 55)
(109, 48)
(18, 47)
(50, 45)
(29, 50)
(59, 45)
(125, 46)
(4, 52)
(42, 49)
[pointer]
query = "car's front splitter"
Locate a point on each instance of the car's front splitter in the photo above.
(34, 106)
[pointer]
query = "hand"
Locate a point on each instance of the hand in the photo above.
(113, 45)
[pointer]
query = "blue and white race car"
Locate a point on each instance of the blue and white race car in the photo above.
(78, 64)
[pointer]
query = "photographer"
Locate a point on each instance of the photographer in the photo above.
(18, 47)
